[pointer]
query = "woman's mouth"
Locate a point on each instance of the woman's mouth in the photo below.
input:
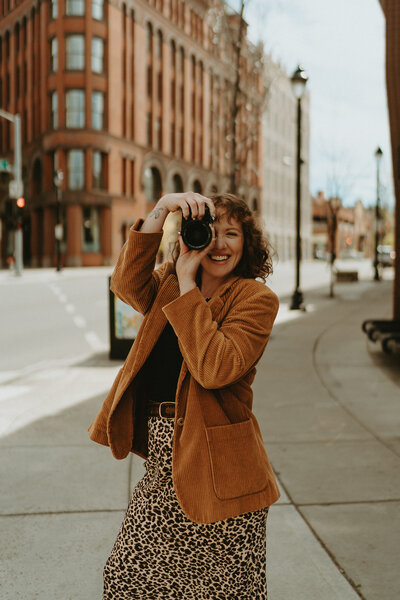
(218, 257)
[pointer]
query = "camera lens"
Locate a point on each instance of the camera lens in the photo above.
(197, 235)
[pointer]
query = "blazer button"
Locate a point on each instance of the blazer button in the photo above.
(180, 421)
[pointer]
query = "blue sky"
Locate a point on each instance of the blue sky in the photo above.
(341, 45)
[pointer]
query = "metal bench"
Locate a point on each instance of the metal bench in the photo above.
(385, 331)
(346, 276)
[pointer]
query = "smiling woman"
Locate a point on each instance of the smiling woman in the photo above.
(239, 245)
(196, 523)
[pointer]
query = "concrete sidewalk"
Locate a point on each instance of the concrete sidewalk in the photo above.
(328, 407)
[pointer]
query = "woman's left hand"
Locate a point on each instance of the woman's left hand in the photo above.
(188, 264)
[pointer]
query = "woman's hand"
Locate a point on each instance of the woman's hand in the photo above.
(188, 264)
(188, 202)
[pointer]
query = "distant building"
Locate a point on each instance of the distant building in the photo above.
(279, 165)
(129, 100)
(354, 230)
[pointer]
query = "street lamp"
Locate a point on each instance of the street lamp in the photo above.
(378, 156)
(334, 206)
(298, 80)
(58, 230)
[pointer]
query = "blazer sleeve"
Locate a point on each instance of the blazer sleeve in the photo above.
(134, 279)
(219, 355)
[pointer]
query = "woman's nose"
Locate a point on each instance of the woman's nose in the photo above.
(219, 241)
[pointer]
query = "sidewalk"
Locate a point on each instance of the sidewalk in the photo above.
(328, 407)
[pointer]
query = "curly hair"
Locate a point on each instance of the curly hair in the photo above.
(256, 260)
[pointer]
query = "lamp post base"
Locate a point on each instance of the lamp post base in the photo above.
(297, 301)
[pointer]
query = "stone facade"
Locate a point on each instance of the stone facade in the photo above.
(279, 165)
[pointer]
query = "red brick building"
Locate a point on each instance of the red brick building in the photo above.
(391, 9)
(354, 227)
(128, 100)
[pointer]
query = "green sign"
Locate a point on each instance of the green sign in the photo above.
(4, 165)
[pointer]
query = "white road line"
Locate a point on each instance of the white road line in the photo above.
(94, 341)
(70, 308)
(79, 321)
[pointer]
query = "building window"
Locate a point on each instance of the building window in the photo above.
(76, 169)
(75, 108)
(54, 110)
(75, 52)
(97, 55)
(54, 9)
(75, 8)
(53, 55)
(98, 170)
(91, 229)
(98, 9)
(98, 110)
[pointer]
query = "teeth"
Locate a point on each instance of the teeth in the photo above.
(219, 258)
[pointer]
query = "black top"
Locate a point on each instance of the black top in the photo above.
(161, 369)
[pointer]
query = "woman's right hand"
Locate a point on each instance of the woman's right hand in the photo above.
(190, 203)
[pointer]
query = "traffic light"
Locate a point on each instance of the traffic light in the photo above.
(21, 202)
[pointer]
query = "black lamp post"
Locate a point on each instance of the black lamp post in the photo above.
(58, 230)
(334, 206)
(298, 80)
(378, 156)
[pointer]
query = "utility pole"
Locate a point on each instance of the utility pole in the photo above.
(16, 186)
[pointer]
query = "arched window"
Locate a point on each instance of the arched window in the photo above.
(197, 187)
(16, 33)
(152, 184)
(159, 44)
(149, 38)
(177, 183)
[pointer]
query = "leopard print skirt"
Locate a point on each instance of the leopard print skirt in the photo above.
(159, 554)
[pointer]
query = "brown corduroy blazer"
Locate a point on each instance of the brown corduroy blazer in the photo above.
(220, 466)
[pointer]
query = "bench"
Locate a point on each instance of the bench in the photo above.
(346, 276)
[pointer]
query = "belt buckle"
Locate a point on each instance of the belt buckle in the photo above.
(159, 410)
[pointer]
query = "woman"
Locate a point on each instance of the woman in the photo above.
(195, 527)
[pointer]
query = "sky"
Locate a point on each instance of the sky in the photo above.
(341, 45)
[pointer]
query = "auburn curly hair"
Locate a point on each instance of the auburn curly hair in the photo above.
(256, 260)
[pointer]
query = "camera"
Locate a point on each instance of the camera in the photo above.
(197, 233)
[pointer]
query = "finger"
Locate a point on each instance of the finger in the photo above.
(194, 207)
(185, 208)
(211, 206)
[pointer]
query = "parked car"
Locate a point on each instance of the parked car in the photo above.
(386, 256)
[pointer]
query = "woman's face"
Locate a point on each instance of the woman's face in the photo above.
(227, 251)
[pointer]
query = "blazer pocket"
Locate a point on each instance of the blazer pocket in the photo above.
(237, 463)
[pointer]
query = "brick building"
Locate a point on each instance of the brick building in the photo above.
(354, 228)
(129, 100)
(391, 9)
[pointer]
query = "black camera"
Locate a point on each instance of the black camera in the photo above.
(197, 233)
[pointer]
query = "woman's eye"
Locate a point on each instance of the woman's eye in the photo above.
(232, 233)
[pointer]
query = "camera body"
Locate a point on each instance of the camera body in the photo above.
(197, 233)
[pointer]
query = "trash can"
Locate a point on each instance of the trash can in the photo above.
(124, 322)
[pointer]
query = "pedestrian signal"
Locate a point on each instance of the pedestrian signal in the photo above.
(21, 202)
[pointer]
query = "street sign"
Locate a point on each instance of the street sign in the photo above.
(5, 166)
(15, 189)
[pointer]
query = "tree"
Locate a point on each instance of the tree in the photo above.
(244, 92)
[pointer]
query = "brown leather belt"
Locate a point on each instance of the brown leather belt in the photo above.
(166, 410)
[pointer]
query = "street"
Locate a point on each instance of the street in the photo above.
(326, 400)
